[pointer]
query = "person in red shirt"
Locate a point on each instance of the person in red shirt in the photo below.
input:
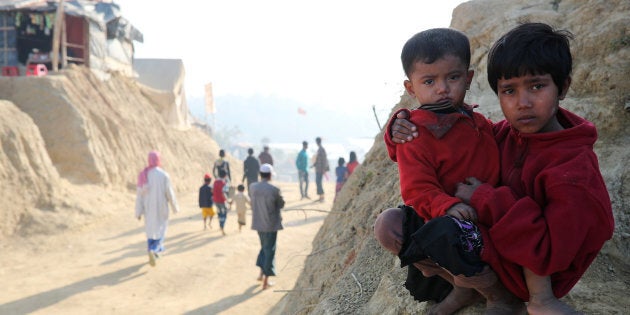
(454, 143)
(549, 218)
(352, 163)
(219, 196)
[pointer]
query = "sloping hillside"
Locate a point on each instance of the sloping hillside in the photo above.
(73, 131)
(348, 273)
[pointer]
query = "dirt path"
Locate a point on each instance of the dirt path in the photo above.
(103, 269)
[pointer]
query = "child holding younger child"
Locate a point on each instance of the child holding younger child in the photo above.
(546, 223)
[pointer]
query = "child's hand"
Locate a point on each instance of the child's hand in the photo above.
(403, 130)
(462, 211)
(139, 217)
(466, 190)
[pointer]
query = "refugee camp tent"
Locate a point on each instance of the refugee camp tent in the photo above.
(163, 81)
(93, 34)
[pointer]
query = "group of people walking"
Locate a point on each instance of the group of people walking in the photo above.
(321, 166)
(265, 200)
(155, 194)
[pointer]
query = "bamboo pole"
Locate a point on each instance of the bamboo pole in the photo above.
(64, 43)
(57, 35)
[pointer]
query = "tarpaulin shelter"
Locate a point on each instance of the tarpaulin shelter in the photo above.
(163, 84)
(94, 34)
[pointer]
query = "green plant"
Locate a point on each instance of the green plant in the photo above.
(623, 41)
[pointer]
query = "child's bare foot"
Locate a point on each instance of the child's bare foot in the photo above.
(267, 283)
(503, 307)
(457, 299)
(550, 306)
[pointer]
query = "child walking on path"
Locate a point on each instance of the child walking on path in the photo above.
(205, 201)
(242, 201)
(219, 197)
(548, 220)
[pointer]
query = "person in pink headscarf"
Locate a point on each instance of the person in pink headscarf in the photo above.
(154, 194)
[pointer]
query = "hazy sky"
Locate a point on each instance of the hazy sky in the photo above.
(334, 53)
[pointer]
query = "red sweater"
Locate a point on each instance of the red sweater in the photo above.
(217, 191)
(554, 213)
(449, 148)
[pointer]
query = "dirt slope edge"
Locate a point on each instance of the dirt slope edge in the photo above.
(87, 133)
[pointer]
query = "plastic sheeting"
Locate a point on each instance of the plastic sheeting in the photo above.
(110, 35)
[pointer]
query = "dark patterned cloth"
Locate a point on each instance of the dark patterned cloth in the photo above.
(451, 243)
(420, 287)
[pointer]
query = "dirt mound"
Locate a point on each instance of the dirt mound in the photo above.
(348, 273)
(27, 173)
(75, 129)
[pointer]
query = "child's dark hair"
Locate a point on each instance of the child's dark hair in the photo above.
(353, 156)
(433, 44)
(240, 188)
(341, 161)
(534, 49)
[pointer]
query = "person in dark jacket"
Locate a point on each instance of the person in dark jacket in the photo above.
(250, 168)
(205, 201)
(265, 156)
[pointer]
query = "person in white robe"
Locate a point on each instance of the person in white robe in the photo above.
(154, 195)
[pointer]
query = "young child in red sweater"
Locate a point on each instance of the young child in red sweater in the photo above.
(549, 218)
(454, 143)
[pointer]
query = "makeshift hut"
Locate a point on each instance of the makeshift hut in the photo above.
(92, 33)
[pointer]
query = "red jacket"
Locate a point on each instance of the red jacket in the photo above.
(351, 166)
(554, 213)
(217, 191)
(449, 148)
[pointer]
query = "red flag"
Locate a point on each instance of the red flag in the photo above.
(301, 111)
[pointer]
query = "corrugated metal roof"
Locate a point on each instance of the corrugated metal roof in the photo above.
(98, 12)
(8, 5)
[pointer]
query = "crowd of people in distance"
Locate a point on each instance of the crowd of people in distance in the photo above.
(155, 195)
